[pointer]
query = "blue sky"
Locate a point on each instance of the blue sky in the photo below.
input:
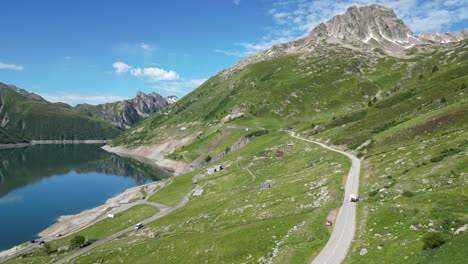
(102, 51)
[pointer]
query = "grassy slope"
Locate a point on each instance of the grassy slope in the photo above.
(415, 168)
(233, 212)
(419, 113)
(414, 172)
(175, 191)
(35, 120)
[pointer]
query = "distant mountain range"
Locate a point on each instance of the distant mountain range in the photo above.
(27, 116)
(125, 114)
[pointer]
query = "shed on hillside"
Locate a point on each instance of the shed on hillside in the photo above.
(210, 171)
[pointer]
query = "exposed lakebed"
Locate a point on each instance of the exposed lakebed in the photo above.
(42, 182)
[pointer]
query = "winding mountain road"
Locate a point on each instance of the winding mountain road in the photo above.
(345, 225)
(334, 251)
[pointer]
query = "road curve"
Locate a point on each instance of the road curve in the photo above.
(100, 242)
(345, 225)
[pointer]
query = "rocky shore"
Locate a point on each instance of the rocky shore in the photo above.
(151, 154)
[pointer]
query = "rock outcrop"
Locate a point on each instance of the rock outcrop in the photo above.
(124, 114)
(444, 37)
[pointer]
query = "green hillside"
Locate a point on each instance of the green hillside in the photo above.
(26, 118)
(406, 117)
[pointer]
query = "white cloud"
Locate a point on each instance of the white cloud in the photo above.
(237, 2)
(146, 46)
(120, 67)
(293, 19)
(74, 99)
(241, 54)
(14, 67)
(179, 88)
(166, 81)
(154, 74)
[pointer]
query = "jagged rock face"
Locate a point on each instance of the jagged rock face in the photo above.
(172, 99)
(368, 22)
(146, 104)
(124, 114)
(444, 37)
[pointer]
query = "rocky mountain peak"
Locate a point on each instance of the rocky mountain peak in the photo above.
(359, 28)
(140, 94)
(155, 97)
(172, 99)
(124, 114)
(369, 24)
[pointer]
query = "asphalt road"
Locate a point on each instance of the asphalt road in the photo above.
(100, 242)
(345, 225)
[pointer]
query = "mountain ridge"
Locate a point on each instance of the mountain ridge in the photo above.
(362, 28)
(27, 116)
(124, 114)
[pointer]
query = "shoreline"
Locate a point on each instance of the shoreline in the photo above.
(69, 224)
(70, 141)
(146, 154)
(15, 145)
(55, 142)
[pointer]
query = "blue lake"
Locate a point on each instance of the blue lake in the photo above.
(40, 183)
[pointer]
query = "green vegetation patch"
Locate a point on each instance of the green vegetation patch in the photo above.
(175, 191)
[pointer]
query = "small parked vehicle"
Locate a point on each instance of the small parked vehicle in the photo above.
(139, 225)
(354, 198)
(41, 243)
(328, 223)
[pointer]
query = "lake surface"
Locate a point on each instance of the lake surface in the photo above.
(40, 183)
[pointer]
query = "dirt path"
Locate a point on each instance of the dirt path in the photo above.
(248, 170)
(343, 233)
